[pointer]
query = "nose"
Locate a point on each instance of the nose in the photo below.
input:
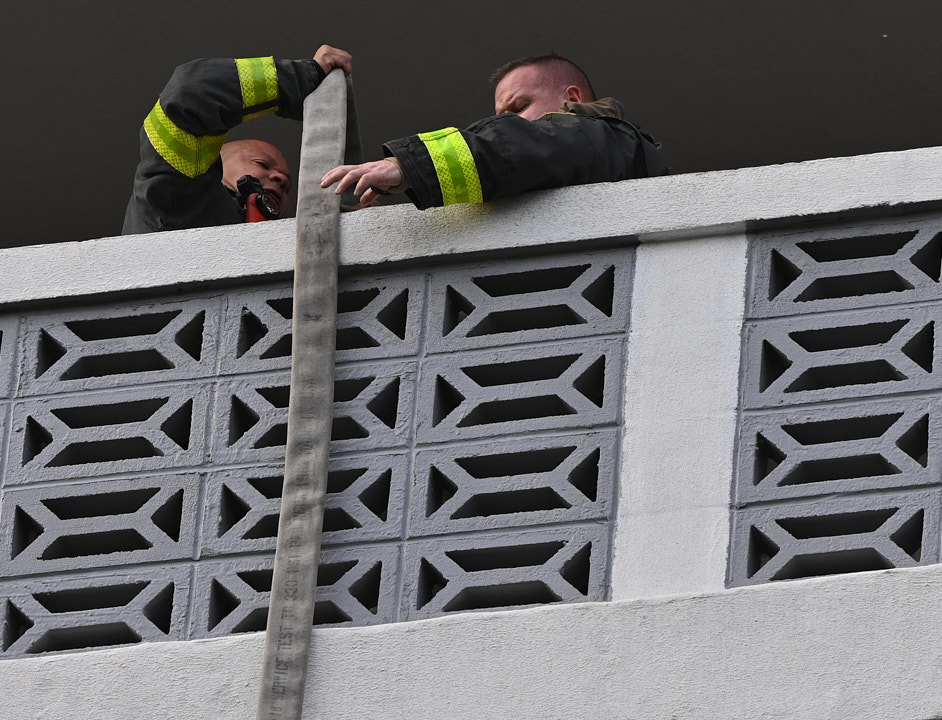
(276, 177)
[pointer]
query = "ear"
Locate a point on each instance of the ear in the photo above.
(572, 94)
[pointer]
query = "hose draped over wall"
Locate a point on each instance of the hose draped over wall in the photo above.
(329, 128)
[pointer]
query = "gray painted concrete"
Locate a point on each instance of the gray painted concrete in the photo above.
(864, 646)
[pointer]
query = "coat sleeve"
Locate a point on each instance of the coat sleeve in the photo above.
(177, 181)
(505, 155)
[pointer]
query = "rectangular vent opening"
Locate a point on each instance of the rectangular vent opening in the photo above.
(118, 327)
(117, 364)
(89, 598)
(854, 248)
(531, 592)
(529, 281)
(89, 636)
(838, 524)
(513, 556)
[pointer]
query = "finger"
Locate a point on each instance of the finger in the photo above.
(334, 175)
(348, 180)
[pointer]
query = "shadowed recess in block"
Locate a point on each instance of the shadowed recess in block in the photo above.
(90, 598)
(915, 441)
(841, 430)
(929, 258)
(330, 573)
(782, 273)
(259, 580)
(169, 516)
(430, 583)
(385, 405)
(851, 523)
(190, 336)
(921, 347)
(347, 390)
(35, 439)
(576, 570)
(861, 373)
(267, 527)
(366, 589)
(15, 624)
(531, 592)
(354, 338)
(336, 519)
(276, 396)
(346, 428)
(99, 504)
(281, 348)
(585, 476)
(118, 327)
(521, 371)
(251, 330)
(25, 531)
(767, 458)
(271, 487)
(48, 352)
(327, 613)
(529, 281)
(242, 418)
(100, 543)
(509, 556)
(275, 436)
(160, 609)
(761, 550)
(395, 316)
(355, 300)
(508, 321)
(855, 248)
(847, 336)
(511, 501)
(117, 364)
(447, 399)
(909, 536)
(177, 426)
(525, 462)
(532, 408)
(105, 451)
(457, 308)
(839, 468)
(87, 636)
(375, 498)
(255, 621)
(232, 509)
(440, 490)
(591, 383)
(772, 365)
(221, 604)
(601, 291)
(124, 413)
(840, 286)
(831, 563)
(283, 306)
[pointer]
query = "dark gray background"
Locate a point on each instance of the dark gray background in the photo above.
(721, 84)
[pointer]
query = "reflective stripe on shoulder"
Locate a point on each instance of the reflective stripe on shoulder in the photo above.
(192, 155)
(259, 80)
(454, 166)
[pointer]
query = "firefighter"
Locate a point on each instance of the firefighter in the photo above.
(188, 176)
(550, 131)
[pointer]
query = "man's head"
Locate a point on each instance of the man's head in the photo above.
(258, 159)
(533, 86)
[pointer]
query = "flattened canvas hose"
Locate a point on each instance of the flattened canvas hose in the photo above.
(327, 113)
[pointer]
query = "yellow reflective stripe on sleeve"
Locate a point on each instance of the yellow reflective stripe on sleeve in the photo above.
(259, 80)
(192, 155)
(454, 165)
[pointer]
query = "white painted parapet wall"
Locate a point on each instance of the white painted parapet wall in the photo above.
(673, 643)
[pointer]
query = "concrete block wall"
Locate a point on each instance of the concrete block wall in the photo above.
(475, 447)
(838, 465)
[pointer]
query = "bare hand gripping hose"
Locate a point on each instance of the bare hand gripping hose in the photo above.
(291, 610)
